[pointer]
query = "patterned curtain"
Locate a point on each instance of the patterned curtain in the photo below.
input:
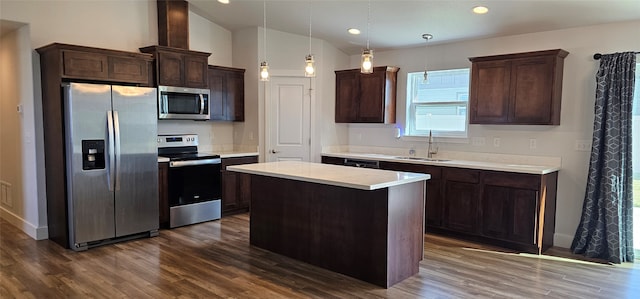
(606, 226)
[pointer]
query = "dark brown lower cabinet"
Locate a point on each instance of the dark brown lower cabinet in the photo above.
(511, 210)
(519, 209)
(509, 214)
(236, 187)
(163, 193)
(461, 199)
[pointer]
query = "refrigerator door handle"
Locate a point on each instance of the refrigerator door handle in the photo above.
(116, 129)
(112, 159)
(201, 104)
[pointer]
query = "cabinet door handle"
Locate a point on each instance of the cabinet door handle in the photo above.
(274, 151)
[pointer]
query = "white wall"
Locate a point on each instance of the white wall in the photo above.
(209, 37)
(120, 25)
(577, 104)
(25, 203)
(245, 45)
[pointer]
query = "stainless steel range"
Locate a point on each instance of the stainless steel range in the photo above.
(194, 180)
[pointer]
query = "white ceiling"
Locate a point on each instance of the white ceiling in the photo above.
(399, 24)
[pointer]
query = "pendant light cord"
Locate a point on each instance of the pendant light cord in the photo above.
(368, 22)
(264, 18)
(309, 27)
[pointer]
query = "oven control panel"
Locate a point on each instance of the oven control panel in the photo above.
(177, 140)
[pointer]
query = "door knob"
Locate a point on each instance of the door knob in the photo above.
(274, 151)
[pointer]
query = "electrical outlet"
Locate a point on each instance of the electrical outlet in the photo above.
(478, 141)
(250, 135)
(583, 145)
(533, 143)
(496, 142)
(5, 194)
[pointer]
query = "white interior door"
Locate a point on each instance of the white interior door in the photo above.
(288, 119)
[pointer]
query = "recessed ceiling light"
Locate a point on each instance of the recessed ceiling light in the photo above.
(224, 1)
(480, 10)
(353, 31)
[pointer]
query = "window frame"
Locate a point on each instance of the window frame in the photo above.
(411, 107)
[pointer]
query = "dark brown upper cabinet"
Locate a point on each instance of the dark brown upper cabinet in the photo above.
(366, 98)
(94, 64)
(227, 93)
(179, 67)
(517, 89)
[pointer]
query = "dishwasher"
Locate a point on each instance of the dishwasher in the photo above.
(362, 163)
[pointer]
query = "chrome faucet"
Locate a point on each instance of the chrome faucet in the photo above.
(430, 150)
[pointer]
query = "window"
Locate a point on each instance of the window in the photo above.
(439, 104)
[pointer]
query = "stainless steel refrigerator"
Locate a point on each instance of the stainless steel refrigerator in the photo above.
(112, 163)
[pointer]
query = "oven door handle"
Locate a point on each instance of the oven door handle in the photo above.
(195, 162)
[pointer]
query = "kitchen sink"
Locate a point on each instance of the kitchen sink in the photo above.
(422, 159)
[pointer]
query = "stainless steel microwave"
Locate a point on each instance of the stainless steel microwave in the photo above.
(183, 103)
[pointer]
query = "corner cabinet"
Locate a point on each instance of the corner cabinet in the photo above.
(179, 67)
(522, 89)
(227, 93)
(366, 98)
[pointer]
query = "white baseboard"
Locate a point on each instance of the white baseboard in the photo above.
(37, 233)
(562, 240)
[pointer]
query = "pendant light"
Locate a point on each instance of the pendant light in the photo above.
(366, 66)
(264, 66)
(309, 63)
(426, 37)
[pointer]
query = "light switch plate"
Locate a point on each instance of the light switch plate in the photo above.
(583, 145)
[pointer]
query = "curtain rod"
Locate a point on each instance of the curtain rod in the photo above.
(598, 55)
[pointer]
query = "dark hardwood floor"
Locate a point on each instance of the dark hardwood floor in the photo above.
(214, 260)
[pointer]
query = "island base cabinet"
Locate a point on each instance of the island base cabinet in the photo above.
(372, 235)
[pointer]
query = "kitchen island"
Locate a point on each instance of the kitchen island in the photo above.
(364, 223)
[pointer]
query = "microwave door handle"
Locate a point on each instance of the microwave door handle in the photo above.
(165, 103)
(201, 103)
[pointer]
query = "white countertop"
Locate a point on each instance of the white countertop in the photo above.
(350, 177)
(236, 154)
(222, 155)
(496, 166)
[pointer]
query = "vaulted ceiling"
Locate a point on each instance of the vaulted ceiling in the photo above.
(399, 24)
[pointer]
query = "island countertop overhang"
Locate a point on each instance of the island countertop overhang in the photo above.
(350, 177)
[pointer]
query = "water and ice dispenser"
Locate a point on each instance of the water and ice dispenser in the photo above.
(93, 154)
